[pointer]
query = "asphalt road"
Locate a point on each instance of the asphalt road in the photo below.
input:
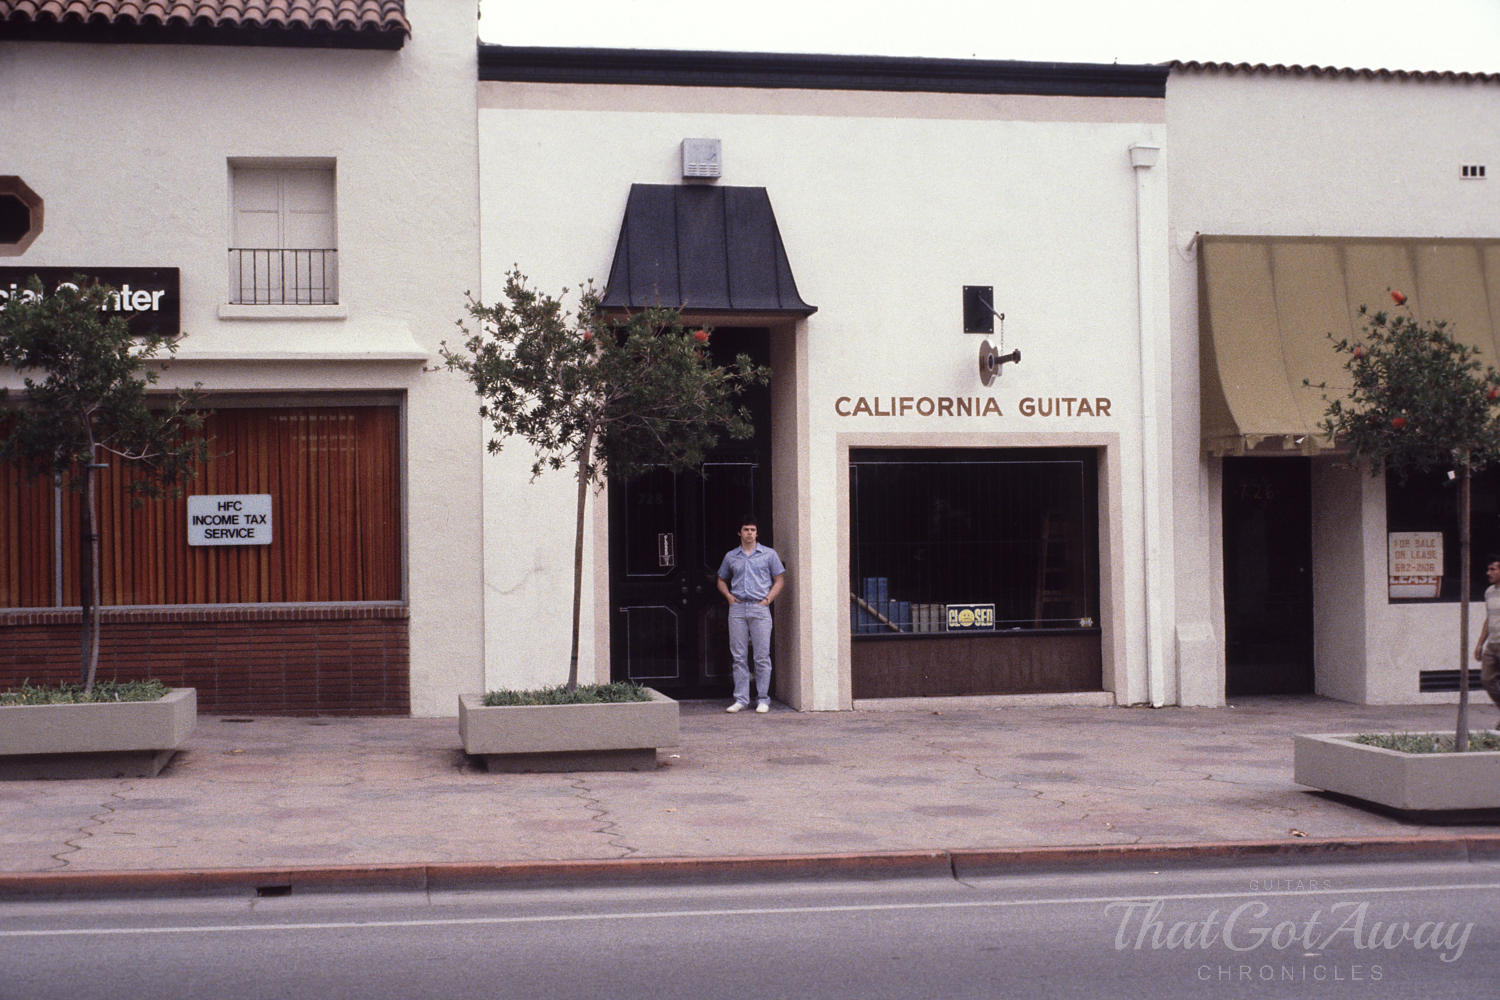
(1367, 931)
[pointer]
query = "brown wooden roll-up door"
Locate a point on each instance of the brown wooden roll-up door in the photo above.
(333, 474)
(26, 540)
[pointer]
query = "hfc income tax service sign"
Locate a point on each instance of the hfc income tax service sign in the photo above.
(229, 519)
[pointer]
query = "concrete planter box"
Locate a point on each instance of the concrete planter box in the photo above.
(1408, 782)
(616, 736)
(127, 739)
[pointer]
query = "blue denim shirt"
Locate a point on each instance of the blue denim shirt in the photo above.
(750, 574)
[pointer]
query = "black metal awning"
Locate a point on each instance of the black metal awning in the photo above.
(702, 249)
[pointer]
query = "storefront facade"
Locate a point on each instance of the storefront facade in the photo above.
(147, 149)
(1036, 430)
(947, 531)
(1298, 196)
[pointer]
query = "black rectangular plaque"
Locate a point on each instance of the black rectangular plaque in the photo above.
(150, 298)
(979, 311)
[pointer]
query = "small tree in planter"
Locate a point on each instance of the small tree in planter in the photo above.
(86, 376)
(1421, 401)
(606, 399)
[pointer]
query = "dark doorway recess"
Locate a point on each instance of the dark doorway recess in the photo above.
(668, 531)
(1268, 596)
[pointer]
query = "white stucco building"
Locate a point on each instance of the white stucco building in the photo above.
(892, 184)
(1135, 508)
(334, 158)
(1227, 550)
(1298, 195)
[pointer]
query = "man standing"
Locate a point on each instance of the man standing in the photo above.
(750, 577)
(1488, 648)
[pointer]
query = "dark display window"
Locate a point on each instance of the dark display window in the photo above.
(1429, 502)
(972, 540)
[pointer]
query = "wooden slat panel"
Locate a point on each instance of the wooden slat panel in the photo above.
(332, 473)
(1013, 663)
(26, 533)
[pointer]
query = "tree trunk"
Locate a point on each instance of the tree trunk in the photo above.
(1461, 737)
(583, 499)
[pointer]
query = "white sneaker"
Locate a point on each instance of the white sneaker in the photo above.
(738, 706)
(762, 708)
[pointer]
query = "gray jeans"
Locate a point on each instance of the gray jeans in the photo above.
(750, 626)
(1489, 671)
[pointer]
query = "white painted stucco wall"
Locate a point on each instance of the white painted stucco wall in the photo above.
(129, 146)
(887, 205)
(1316, 155)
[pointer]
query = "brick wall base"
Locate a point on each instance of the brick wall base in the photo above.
(266, 659)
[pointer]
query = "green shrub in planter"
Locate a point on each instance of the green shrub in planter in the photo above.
(1426, 742)
(596, 392)
(584, 694)
(87, 407)
(1419, 399)
(78, 694)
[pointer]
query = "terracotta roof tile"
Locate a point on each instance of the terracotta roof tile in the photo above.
(1279, 69)
(225, 21)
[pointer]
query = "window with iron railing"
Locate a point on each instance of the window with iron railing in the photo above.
(283, 247)
(271, 276)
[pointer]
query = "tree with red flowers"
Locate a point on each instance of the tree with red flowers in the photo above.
(1420, 401)
(610, 397)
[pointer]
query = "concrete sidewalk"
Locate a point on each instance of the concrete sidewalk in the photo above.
(250, 798)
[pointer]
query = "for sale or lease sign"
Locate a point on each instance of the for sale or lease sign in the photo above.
(1415, 561)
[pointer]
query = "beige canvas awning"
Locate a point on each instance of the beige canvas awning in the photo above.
(1267, 305)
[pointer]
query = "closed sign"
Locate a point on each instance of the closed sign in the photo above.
(971, 618)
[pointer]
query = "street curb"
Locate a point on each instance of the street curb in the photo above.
(1482, 847)
(954, 864)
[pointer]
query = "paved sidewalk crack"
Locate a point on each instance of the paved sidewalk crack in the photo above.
(978, 769)
(599, 814)
(74, 844)
(1001, 780)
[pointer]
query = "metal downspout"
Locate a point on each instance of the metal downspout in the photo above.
(1142, 158)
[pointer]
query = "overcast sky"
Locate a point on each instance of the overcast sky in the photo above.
(1389, 34)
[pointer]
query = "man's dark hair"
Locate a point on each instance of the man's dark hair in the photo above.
(1490, 560)
(749, 521)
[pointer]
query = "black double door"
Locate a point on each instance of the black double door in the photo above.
(1268, 591)
(668, 533)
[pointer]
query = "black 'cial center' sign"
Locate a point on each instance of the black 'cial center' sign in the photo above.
(150, 298)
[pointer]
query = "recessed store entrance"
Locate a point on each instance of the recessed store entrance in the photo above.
(1268, 598)
(668, 531)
